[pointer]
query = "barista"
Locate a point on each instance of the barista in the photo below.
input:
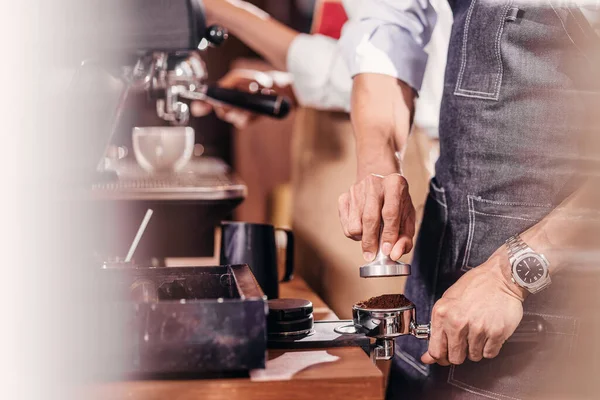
(323, 159)
(518, 118)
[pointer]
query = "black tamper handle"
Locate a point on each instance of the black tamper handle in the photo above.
(531, 329)
(265, 104)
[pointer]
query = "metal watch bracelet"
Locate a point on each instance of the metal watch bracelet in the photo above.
(516, 246)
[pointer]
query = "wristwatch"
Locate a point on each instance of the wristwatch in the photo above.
(529, 269)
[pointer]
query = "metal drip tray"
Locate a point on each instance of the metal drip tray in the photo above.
(202, 179)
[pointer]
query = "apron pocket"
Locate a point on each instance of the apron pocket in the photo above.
(524, 371)
(481, 68)
(492, 222)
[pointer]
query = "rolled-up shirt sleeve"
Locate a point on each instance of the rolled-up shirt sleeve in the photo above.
(320, 74)
(388, 37)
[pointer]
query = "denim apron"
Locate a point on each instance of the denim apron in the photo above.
(514, 126)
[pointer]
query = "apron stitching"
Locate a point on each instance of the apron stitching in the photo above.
(513, 203)
(567, 32)
(438, 189)
(464, 47)
(470, 236)
(577, 22)
(476, 92)
(440, 203)
(498, 79)
(462, 92)
(474, 390)
(505, 216)
(412, 362)
(549, 315)
(498, 55)
(574, 335)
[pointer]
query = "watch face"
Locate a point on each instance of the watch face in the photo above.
(530, 269)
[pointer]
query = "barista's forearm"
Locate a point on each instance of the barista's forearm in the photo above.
(257, 30)
(570, 231)
(382, 107)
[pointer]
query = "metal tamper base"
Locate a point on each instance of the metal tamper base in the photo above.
(383, 265)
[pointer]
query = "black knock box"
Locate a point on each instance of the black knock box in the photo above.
(184, 320)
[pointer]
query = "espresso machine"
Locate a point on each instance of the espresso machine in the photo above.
(154, 50)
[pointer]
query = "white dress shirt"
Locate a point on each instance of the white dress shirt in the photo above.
(323, 80)
(394, 34)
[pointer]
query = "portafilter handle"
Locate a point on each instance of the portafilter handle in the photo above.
(531, 329)
(271, 105)
(422, 331)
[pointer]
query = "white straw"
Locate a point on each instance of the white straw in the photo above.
(138, 235)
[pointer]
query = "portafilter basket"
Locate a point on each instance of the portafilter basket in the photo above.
(384, 325)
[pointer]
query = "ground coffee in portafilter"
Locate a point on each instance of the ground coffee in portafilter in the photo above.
(385, 301)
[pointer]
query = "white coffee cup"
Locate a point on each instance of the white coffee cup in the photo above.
(163, 149)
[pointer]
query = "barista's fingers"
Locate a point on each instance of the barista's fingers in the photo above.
(200, 108)
(435, 357)
(371, 217)
(438, 343)
(398, 249)
(476, 341)
(344, 211)
(457, 340)
(357, 204)
(221, 111)
(427, 359)
(391, 212)
(404, 243)
(408, 227)
(238, 79)
(236, 117)
(494, 342)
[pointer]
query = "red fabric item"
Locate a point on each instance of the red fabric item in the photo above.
(329, 17)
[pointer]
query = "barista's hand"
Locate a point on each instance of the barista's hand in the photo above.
(476, 315)
(241, 79)
(249, 81)
(371, 200)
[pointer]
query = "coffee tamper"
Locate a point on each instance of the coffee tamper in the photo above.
(386, 324)
(383, 265)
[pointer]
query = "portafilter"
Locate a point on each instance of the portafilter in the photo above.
(385, 325)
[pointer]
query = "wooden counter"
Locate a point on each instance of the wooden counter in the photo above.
(343, 373)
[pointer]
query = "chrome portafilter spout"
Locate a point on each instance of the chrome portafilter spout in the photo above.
(383, 265)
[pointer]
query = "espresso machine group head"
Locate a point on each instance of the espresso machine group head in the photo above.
(156, 47)
(172, 79)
